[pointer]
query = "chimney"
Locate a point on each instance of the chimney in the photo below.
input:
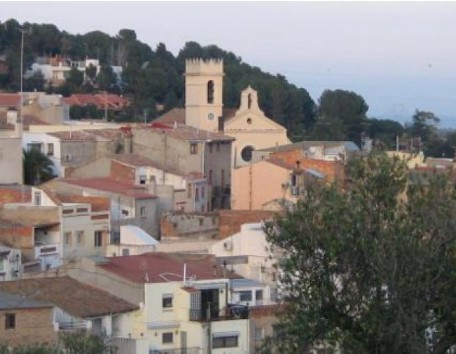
(13, 118)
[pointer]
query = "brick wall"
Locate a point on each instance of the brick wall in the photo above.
(32, 326)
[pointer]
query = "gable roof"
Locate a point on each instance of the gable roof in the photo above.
(165, 267)
(13, 302)
(78, 299)
(185, 132)
(110, 184)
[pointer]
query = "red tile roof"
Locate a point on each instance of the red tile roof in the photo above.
(77, 135)
(77, 299)
(97, 203)
(100, 100)
(165, 267)
(110, 184)
(10, 99)
(139, 161)
(15, 194)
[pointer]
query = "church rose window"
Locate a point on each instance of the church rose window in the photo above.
(246, 153)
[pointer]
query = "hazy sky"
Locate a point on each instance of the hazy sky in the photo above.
(398, 55)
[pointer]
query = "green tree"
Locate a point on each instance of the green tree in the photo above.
(384, 132)
(38, 167)
(35, 82)
(370, 268)
(424, 127)
(107, 80)
(347, 110)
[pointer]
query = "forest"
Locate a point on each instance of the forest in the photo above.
(152, 79)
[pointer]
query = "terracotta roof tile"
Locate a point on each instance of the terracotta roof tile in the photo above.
(178, 115)
(77, 135)
(162, 267)
(97, 203)
(10, 99)
(77, 299)
(110, 184)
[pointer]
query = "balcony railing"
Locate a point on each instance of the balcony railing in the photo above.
(45, 249)
(73, 325)
(229, 313)
(190, 350)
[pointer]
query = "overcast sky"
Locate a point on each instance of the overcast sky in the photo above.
(398, 56)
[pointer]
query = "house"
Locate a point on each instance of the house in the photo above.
(248, 125)
(10, 148)
(247, 253)
(177, 191)
(45, 108)
(71, 306)
(130, 204)
(190, 151)
(70, 149)
(316, 150)
(25, 321)
(54, 228)
(184, 300)
(10, 263)
(251, 191)
(56, 69)
(133, 241)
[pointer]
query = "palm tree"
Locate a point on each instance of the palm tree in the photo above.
(38, 167)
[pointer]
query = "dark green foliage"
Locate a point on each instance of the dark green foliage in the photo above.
(342, 115)
(69, 343)
(367, 270)
(384, 132)
(38, 168)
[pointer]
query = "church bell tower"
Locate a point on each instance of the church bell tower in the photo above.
(203, 93)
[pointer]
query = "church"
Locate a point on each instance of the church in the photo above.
(204, 110)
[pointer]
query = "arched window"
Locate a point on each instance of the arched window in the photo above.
(249, 101)
(210, 92)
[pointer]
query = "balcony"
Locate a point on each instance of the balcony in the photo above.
(42, 249)
(232, 312)
(73, 325)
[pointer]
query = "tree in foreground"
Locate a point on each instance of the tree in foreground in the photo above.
(372, 268)
(38, 167)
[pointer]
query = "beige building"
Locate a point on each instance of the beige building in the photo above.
(204, 109)
(11, 149)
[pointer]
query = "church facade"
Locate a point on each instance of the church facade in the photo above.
(204, 110)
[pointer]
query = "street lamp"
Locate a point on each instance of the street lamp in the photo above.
(23, 31)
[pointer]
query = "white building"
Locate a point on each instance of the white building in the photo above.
(10, 263)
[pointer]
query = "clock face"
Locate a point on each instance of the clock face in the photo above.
(211, 116)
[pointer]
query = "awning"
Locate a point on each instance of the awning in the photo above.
(226, 334)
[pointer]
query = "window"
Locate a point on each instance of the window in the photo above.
(167, 337)
(189, 190)
(210, 148)
(37, 198)
(193, 148)
(210, 91)
(245, 295)
(10, 320)
(167, 301)
(50, 149)
(125, 252)
(223, 178)
(209, 179)
(249, 120)
(203, 192)
(67, 238)
(246, 153)
(124, 212)
(98, 239)
(196, 194)
(34, 146)
(259, 295)
(80, 237)
(142, 179)
(258, 334)
(249, 101)
(142, 211)
(230, 341)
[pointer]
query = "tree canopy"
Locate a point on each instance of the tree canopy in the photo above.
(370, 268)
